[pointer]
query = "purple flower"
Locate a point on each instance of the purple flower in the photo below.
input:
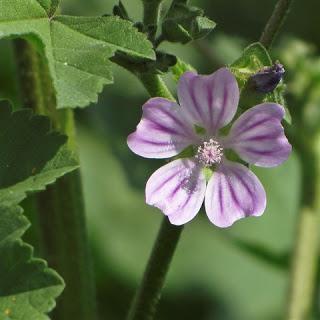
(207, 104)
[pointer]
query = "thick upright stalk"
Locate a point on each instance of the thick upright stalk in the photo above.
(60, 209)
(304, 266)
(307, 242)
(306, 248)
(275, 22)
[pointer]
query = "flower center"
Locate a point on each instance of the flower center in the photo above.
(209, 153)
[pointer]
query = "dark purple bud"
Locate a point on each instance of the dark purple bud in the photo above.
(267, 79)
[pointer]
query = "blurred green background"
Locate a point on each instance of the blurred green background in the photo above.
(238, 273)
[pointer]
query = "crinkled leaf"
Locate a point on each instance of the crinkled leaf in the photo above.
(27, 286)
(254, 58)
(184, 23)
(77, 48)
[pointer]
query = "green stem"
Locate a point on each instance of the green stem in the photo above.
(148, 295)
(304, 265)
(155, 85)
(307, 242)
(306, 248)
(60, 209)
(275, 22)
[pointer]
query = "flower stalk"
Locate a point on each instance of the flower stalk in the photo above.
(275, 22)
(148, 295)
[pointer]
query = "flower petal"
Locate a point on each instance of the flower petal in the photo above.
(163, 131)
(233, 192)
(210, 101)
(258, 136)
(177, 189)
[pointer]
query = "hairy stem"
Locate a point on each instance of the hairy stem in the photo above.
(59, 210)
(275, 22)
(148, 295)
(155, 85)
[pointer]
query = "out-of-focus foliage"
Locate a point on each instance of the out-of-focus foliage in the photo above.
(303, 80)
(239, 273)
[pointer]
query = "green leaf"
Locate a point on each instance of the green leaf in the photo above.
(184, 23)
(27, 286)
(31, 156)
(28, 154)
(254, 58)
(77, 48)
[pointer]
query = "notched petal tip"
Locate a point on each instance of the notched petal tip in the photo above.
(211, 100)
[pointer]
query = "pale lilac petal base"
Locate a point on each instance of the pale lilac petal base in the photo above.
(178, 190)
(233, 192)
(209, 101)
(258, 136)
(163, 131)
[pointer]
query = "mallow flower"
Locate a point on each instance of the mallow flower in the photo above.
(203, 170)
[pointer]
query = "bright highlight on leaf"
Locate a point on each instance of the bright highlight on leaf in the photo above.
(77, 48)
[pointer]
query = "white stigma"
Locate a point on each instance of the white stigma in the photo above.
(209, 153)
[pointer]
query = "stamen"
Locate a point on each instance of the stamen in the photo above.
(209, 153)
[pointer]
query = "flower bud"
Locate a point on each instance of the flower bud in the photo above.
(267, 79)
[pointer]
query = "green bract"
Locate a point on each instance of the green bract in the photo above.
(180, 68)
(31, 156)
(253, 59)
(77, 48)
